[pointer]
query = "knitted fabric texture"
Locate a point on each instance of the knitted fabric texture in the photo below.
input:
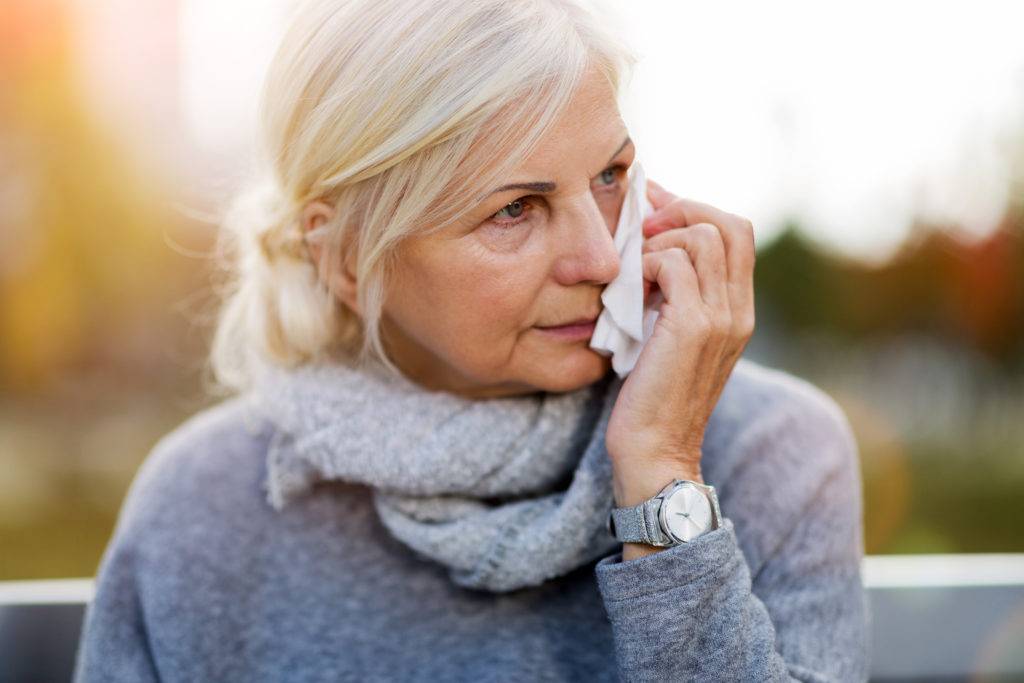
(505, 492)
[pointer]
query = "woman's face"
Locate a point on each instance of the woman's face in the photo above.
(465, 308)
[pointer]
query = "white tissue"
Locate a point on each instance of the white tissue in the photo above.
(625, 324)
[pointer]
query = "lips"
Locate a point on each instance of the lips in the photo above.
(577, 321)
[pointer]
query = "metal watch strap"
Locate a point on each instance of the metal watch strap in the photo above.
(638, 524)
(641, 523)
(716, 510)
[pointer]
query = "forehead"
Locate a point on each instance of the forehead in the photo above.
(587, 132)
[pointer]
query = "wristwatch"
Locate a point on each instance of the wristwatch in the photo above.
(681, 512)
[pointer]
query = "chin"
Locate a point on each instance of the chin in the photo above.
(576, 369)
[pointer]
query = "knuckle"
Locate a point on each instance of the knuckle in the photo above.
(678, 254)
(654, 242)
(745, 225)
(723, 322)
(745, 324)
(744, 229)
(705, 231)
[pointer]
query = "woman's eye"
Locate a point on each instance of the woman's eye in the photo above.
(514, 209)
(609, 177)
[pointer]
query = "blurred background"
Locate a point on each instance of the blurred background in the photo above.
(877, 148)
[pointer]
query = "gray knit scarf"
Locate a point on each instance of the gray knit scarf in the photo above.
(505, 492)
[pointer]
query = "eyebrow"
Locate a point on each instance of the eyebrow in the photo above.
(547, 185)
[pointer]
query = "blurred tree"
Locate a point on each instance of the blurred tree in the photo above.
(83, 252)
(971, 293)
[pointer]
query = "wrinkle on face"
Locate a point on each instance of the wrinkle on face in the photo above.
(462, 310)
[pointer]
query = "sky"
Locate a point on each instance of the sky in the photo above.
(851, 118)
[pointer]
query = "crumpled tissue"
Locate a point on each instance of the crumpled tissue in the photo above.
(626, 323)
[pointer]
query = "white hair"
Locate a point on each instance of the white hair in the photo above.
(399, 114)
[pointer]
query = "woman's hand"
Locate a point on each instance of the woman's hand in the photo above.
(702, 260)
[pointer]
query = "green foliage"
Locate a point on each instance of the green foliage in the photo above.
(972, 294)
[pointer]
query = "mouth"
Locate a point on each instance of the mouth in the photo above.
(581, 328)
(578, 321)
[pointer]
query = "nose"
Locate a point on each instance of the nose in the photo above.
(587, 251)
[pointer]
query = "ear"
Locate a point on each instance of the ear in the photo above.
(342, 281)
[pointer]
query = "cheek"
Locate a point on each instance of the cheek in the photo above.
(476, 303)
(611, 207)
(496, 298)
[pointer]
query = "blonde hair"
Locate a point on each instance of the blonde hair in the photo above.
(399, 114)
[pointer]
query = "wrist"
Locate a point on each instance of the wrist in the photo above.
(631, 551)
(635, 481)
(639, 481)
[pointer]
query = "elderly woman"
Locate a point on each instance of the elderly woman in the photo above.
(424, 471)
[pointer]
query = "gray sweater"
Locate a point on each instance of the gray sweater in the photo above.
(203, 581)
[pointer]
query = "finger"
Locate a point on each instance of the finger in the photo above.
(682, 211)
(658, 195)
(737, 236)
(703, 242)
(672, 270)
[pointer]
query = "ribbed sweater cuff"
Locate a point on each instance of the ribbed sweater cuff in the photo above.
(666, 569)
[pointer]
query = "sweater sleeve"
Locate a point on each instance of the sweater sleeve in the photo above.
(695, 612)
(114, 645)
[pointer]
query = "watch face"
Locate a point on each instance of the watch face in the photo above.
(687, 513)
